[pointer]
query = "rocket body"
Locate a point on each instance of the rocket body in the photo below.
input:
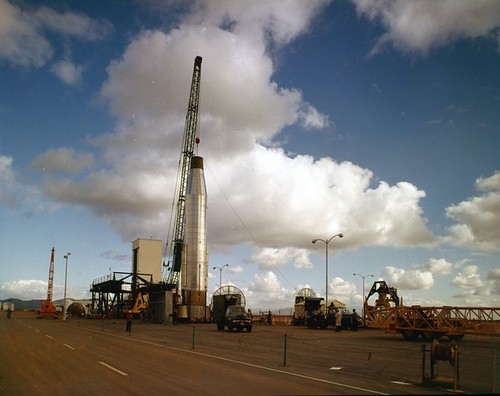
(194, 273)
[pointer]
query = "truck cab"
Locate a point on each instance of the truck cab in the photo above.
(237, 318)
(228, 310)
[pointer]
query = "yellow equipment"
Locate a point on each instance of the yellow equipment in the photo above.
(389, 314)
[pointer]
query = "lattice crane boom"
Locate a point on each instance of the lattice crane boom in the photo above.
(47, 307)
(190, 130)
(50, 285)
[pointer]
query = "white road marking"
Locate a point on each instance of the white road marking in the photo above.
(243, 364)
(69, 346)
(46, 335)
(38, 331)
(400, 383)
(112, 368)
(335, 368)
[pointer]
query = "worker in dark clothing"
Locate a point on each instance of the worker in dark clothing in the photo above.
(129, 318)
(355, 320)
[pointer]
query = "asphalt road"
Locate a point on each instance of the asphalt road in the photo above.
(94, 357)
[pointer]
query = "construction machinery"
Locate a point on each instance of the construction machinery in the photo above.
(189, 140)
(317, 316)
(115, 294)
(388, 313)
(47, 308)
(310, 311)
(138, 306)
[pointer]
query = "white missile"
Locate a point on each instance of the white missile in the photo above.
(194, 273)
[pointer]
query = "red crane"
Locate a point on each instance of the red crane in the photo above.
(47, 307)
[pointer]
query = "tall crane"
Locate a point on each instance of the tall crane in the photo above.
(47, 307)
(189, 140)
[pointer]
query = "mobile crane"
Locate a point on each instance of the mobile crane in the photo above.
(47, 307)
(389, 313)
(189, 139)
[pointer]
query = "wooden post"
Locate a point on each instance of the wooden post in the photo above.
(284, 352)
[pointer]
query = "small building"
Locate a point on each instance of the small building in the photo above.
(338, 304)
(147, 258)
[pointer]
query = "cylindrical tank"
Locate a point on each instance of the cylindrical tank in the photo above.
(182, 312)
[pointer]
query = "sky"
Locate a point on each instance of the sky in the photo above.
(379, 120)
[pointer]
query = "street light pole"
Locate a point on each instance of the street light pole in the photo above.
(65, 283)
(220, 273)
(363, 276)
(326, 242)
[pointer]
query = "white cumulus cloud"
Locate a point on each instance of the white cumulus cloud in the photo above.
(419, 26)
(68, 72)
(267, 198)
(66, 160)
(411, 279)
(25, 42)
(26, 289)
(438, 266)
(468, 278)
(15, 193)
(478, 218)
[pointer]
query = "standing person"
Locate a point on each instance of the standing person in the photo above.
(355, 320)
(269, 318)
(129, 318)
(338, 321)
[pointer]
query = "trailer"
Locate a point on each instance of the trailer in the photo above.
(310, 311)
(389, 314)
(300, 313)
(228, 309)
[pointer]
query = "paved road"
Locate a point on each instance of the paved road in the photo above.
(93, 357)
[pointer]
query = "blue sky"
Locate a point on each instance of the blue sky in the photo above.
(377, 119)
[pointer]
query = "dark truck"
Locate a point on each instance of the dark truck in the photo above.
(313, 314)
(227, 311)
(237, 318)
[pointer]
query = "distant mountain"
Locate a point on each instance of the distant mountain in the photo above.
(21, 304)
(35, 304)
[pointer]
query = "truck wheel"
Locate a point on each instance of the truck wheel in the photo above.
(220, 326)
(312, 324)
(429, 335)
(249, 329)
(230, 328)
(410, 335)
(455, 337)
